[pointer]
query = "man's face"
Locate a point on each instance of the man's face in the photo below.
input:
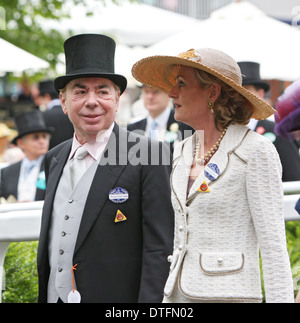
(91, 104)
(258, 92)
(34, 145)
(155, 101)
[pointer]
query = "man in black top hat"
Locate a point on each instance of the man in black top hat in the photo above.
(49, 103)
(107, 223)
(288, 151)
(25, 180)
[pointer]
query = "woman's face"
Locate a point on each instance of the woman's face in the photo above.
(190, 98)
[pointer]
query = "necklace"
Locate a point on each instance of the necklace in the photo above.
(204, 160)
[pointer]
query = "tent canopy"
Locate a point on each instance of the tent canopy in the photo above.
(247, 34)
(129, 23)
(17, 60)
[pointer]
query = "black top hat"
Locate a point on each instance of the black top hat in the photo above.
(251, 75)
(47, 87)
(90, 55)
(30, 122)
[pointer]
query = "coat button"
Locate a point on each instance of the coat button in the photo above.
(220, 261)
(63, 234)
(60, 270)
(180, 248)
(61, 252)
(181, 228)
(170, 259)
(67, 217)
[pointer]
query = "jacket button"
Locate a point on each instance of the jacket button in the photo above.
(61, 252)
(63, 234)
(170, 259)
(180, 248)
(60, 270)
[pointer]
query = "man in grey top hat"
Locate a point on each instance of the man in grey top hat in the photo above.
(107, 224)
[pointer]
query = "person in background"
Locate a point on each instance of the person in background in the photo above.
(25, 180)
(49, 103)
(160, 123)
(9, 154)
(288, 150)
(5, 138)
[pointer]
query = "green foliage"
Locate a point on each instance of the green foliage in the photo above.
(21, 273)
(293, 244)
(24, 30)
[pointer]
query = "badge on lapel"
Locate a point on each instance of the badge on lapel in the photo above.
(118, 195)
(120, 217)
(204, 188)
(212, 172)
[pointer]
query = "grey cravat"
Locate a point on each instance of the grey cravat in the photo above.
(152, 133)
(78, 166)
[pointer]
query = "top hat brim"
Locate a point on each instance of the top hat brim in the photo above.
(261, 84)
(61, 82)
(49, 130)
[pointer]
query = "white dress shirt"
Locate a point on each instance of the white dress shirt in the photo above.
(29, 174)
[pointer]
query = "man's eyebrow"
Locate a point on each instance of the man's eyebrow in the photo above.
(82, 86)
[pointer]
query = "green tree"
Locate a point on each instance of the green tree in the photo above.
(24, 30)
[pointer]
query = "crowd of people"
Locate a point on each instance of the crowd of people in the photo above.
(135, 230)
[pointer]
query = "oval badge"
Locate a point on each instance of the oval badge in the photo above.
(118, 195)
(212, 172)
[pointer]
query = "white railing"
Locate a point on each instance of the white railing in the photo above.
(21, 222)
(18, 222)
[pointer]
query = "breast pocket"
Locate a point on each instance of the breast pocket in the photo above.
(219, 264)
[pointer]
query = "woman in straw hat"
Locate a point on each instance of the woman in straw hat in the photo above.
(226, 185)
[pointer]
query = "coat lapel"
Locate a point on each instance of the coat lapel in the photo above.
(105, 179)
(231, 141)
(181, 170)
(56, 166)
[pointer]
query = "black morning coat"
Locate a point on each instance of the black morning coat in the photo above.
(10, 181)
(123, 262)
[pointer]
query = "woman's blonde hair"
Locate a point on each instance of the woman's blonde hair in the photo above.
(231, 107)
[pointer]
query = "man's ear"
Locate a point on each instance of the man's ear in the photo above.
(63, 100)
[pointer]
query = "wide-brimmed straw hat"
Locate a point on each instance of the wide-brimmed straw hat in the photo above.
(161, 72)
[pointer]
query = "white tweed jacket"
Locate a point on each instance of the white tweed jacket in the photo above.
(218, 234)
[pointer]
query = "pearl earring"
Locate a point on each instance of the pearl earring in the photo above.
(211, 106)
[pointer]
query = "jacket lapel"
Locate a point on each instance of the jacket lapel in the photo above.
(232, 140)
(105, 179)
(56, 166)
(181, 170)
